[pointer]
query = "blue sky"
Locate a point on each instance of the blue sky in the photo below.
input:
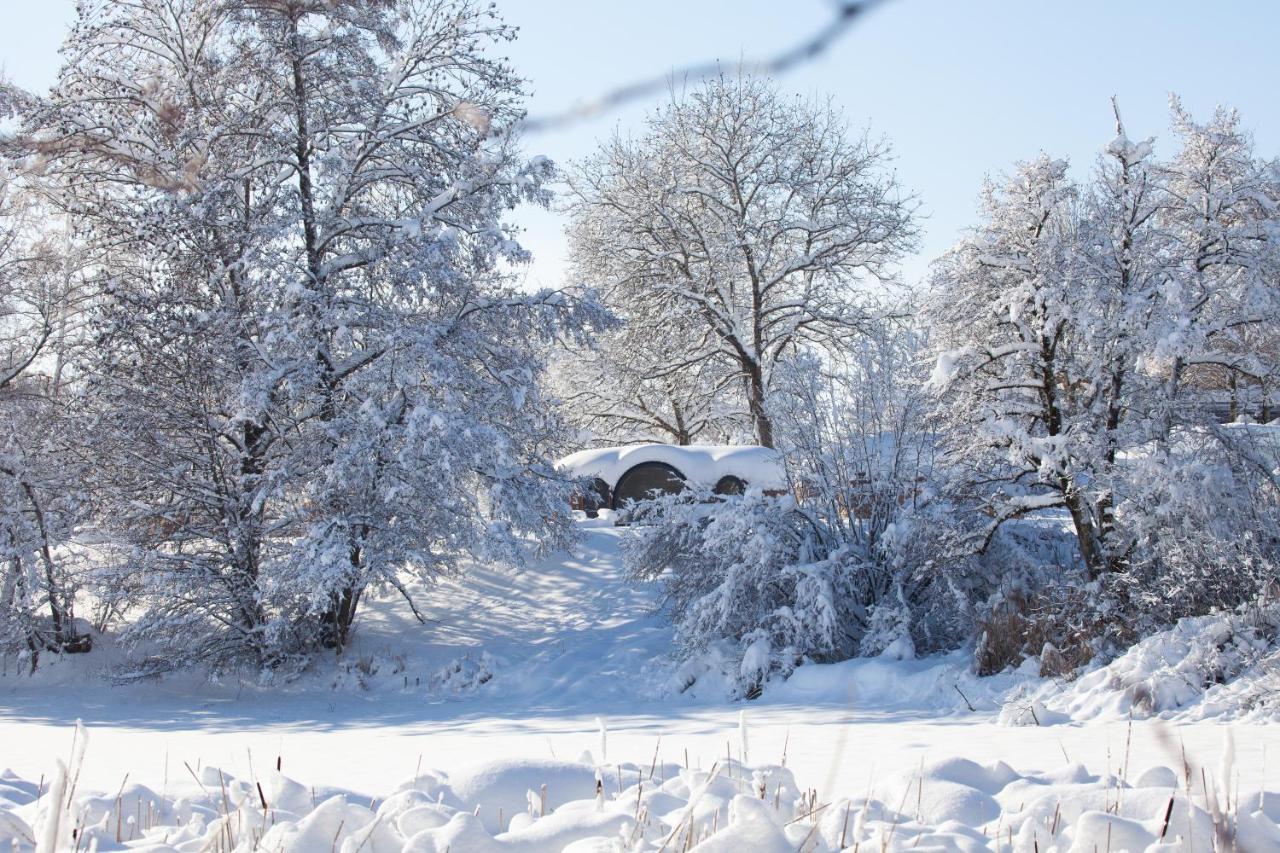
(961, 88)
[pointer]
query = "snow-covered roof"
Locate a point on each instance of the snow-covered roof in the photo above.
(702, 464)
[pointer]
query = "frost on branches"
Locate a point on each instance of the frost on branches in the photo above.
(1061, 483)
(311, 374)
(757, 584)
(741, 227)
(41, 498)
(1080, 328)
(631, 385)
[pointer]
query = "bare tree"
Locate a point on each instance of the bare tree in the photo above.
(751, 216)
(627, 388)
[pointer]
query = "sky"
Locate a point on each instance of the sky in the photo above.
(962, 89)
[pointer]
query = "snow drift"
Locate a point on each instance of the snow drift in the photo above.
(1224, 666)
(947, 804)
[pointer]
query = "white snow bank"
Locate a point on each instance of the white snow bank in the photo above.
(701, 464)
(937, 684)
(529, 806)
(1224, 667)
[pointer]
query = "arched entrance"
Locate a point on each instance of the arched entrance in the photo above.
(644, 480)
(730, 485)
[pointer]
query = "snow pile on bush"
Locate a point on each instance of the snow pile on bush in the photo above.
(546, 805)
(1225, 666)
(746, 588)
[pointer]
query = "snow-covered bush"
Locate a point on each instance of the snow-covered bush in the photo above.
(41, 504)
(837, 567)
(750, 569)
(1204, 519)
(1221, 665)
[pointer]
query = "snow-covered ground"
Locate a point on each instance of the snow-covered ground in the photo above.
(594, 805)
(526, 669)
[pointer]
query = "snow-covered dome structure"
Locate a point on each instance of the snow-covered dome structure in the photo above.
(635, 472)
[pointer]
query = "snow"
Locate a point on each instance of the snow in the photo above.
(700, 464)
(535, 806)
(506, 688)
(1209, 667)
(948, 366)
(940, 684)
(1130, 153)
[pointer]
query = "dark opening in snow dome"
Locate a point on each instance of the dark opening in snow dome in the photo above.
(645, 480)
(730, 485)
(598, 497)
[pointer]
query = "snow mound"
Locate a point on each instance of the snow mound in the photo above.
(936, 684)
(1223, 667)
(700, 464)
(500, 788)
(534, 806)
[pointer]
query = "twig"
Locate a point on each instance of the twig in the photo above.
(847, 12)
(1168, 813)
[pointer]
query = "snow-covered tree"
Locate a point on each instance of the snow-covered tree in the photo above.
(154, 153)
(313, 374)
(40, 498)
(751, 218)
(1002, 308)
(1222, 299)
(413, 356)
(1067, 491)
(1066, 324)
(627, 387)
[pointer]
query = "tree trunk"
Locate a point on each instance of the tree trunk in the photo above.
(681, 431)
(247, 554)
(1086, 532)
(336, 621)
(64, 637)
(756, 399)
